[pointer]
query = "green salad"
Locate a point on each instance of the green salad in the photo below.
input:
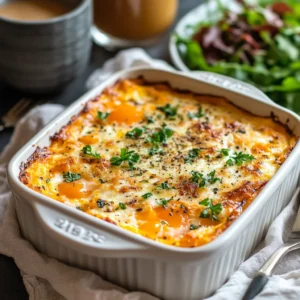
(260, 45)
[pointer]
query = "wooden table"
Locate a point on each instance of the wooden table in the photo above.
(11, 284)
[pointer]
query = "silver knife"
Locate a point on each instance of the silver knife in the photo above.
(261, 278)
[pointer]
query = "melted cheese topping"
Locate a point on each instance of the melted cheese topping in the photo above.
(197, 162)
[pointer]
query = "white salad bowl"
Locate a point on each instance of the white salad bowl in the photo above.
(207, 11)
(136, 262)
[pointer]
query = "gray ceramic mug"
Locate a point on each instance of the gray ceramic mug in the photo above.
(43, 56)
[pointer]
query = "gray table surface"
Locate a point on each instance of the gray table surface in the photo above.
(11, 284)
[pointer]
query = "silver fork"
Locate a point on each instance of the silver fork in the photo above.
(15, 113)
(262, 276)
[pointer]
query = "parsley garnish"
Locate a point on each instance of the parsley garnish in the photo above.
(239, 158)
(192, 155)
(211, 177)
(225, 152)
(122, 205)
(70, 177)
(155, 150)
(211, 210)
(147, 195)
(194, 227)
(198, 178)
(196, 115)
(149, 120)
(130, 156)
(102, 115)
(163, 201)
(165, 186)
(87, 150)
(48, 180)
(135, 133)
(170, 111)
(160, 136)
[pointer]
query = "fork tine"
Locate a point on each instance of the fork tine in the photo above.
(17, 106)
(15, 113)
(24, 104)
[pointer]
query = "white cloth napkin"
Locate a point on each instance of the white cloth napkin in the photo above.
(46, 278)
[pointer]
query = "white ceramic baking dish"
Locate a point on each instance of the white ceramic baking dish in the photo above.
(136, 262)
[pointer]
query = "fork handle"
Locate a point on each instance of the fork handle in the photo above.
(256, 286)
(262, 276)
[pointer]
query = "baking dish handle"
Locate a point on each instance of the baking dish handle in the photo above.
(231, 84)
(71, 231)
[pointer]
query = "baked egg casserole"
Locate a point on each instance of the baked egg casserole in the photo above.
(170, 165)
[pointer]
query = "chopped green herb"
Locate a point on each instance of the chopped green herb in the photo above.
(149, 120)
(79, 208)
(163, 202)
(135, 133)
(239, 158)
(229, 162)
(205, 213)
(147, 195)
(211, 210)
(165, 186)
(170, 111)
(102, 181)
(155, 150)
(160, 136)
(193, 154)
(87, 150)
(48, 180)
(130, 156)
(102, 115)
(70, 177)
(225, 152)
(207, 156)
(196, 115)
(122, 205)
(194, 227)
(198, 178)
(211, 177)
